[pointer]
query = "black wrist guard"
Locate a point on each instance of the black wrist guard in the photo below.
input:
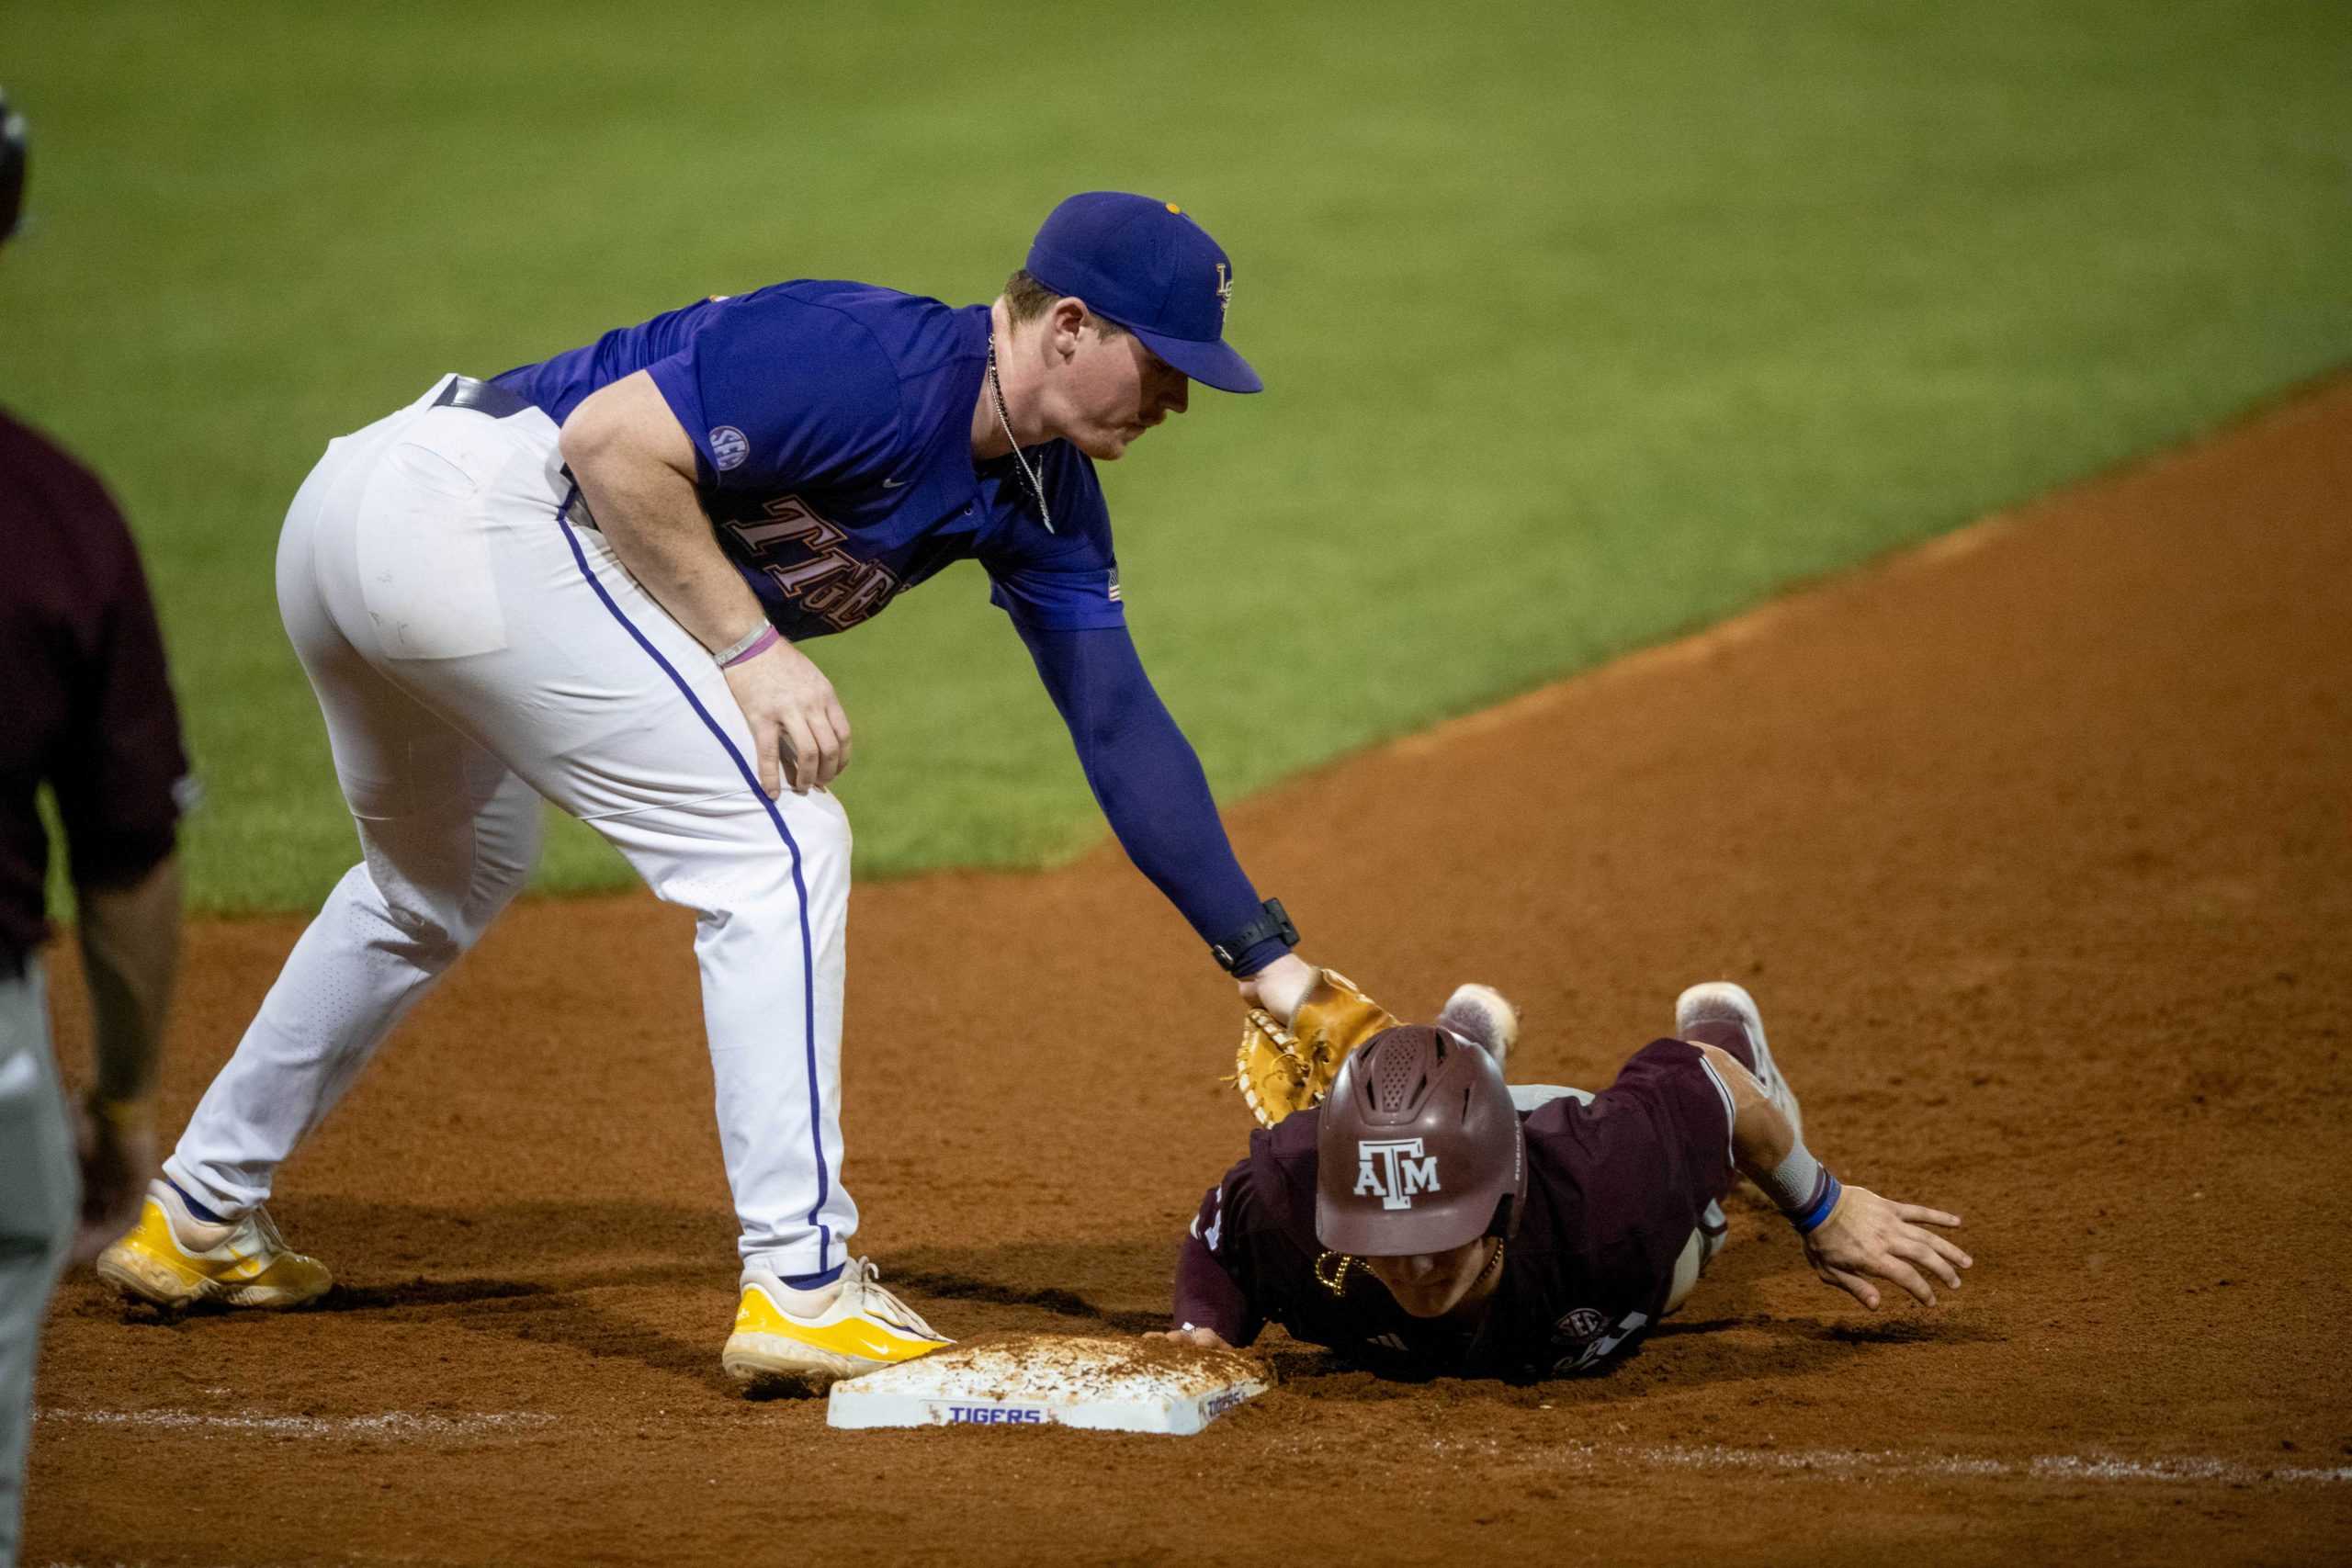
(1272, 921)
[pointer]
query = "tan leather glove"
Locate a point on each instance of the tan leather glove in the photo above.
(1280, 1069)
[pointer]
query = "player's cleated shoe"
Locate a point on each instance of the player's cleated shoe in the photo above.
(1720, 1001)
(1483, 1014)
(174, 1259)
(863, 1327)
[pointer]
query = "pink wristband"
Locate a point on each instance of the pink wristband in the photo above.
(753, 650)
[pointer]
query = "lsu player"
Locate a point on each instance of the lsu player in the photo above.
(595, 579)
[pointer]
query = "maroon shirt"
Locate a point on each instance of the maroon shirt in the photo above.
(84, 702)
(1614, 1190)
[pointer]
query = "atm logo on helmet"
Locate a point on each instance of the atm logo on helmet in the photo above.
(1392, 1170)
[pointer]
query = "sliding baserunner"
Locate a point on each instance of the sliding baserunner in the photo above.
(1427, 1216)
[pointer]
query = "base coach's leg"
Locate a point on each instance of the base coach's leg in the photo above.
(40, 1192)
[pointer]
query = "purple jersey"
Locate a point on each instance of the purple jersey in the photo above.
(831, 425)
(1614, 1190)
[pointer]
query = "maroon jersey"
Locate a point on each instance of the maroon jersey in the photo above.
(1614, 1190)
(84, 702)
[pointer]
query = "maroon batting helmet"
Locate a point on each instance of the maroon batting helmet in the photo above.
(1419, 1150)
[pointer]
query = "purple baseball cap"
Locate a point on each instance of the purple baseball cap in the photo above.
(1148, 266)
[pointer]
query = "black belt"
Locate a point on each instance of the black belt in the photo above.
(483, 397)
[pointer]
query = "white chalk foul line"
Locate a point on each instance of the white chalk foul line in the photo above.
(390, 1423)
(2041, 1467)
(1888, 1462)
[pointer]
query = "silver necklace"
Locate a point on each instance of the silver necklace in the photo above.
(1004, 418)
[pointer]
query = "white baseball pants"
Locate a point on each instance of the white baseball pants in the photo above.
(40, 1187)
(475, 645)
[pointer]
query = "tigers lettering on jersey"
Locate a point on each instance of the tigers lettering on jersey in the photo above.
(802, 554)
(832, 421)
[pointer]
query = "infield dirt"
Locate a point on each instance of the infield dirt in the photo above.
(2035, 846)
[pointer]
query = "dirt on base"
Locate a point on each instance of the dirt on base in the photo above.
(2036, 846)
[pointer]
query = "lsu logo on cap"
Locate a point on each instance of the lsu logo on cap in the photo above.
(1394, 1170)
(729, 447)
(1223, 295)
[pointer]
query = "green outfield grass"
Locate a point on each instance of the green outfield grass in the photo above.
(1582, 325)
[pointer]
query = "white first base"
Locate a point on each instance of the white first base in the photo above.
(1041, 1380)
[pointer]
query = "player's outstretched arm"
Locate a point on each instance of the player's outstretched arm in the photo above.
(635, 466)
(1211, 1304)
(1868, 1238)
(1149, 782)
(1852, 1236)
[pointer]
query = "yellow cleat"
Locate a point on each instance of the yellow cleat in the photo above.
(863, 1327)
(173, 1259)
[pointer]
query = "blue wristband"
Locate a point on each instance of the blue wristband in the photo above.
(1810, 1221)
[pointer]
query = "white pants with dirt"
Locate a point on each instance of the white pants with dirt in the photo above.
(475, 646)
